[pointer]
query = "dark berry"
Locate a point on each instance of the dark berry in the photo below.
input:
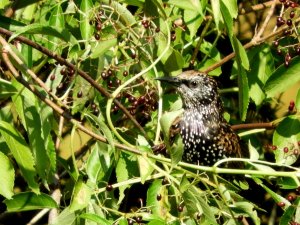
(291, 105)
(279, 52)
(131, 99)
(109, 187)
(282, 1)
(296, 152)
(288, 57)
(180, 208)
(173, 37)
(158, 197)
(110, 83)
(275, 43)
(141, 99)
(133, 55)
(60, 86)
(97, 36)
(165, 181)
(96, 111)
(109, 72)
(298, 143)
(280, 21)
(274, 147)
(125, 73)
(286, 63)
(289, 22)
(130, 221)
(79, 94)
(118, 81)
(291, 198)
(104, 75)
(240, 217)
(93, 106)
(297, 50)
(139, 219)
(287, 4)
(157, 29)
(294, 4)
(63, 71)
(52, 77)
(285, 149)
(71, 72)
(292, 14)
(281, 204)
(98, 26)
(287, 32)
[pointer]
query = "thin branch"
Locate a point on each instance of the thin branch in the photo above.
(258, 7)
(83, 74)
(250, 126)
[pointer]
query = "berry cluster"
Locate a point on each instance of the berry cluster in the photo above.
(98, 24)
(287, 18)
(293, 149)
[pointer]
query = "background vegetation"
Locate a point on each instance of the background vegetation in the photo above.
(81, 111)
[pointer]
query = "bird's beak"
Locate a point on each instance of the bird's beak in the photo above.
(171, 80)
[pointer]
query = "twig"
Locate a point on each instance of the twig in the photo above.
(257, 7)
(270, 125)
(196, 50)
(265, 23)
(84, 75)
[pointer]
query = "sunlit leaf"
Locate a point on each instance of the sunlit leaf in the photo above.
(29, 201)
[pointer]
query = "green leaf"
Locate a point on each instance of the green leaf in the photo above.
(125, 169)
(277, 198)
(37, 142)
(287, 134)
(7, 174)
(7, 89)
(81, 196)
(215, 4)
(56, 20)
(176, 150)
(195, 203)
(86, 29)
(193, 19)
(188, 5)
(36, 28)
(158, 208)
(66, 217)
(98, 163)
(21, 153)
(174, 62)
(103, 46)
(297, 102)
(166, 121)
(29, 201)
(283, 78)
(289, 213)
(243, 93)
(254, 155)
(95, 218)
(262, 66)
(232, 7)
(145, 167)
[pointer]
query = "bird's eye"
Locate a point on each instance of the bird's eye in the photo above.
(193, 84)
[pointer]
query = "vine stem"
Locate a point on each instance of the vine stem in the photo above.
(129, 81)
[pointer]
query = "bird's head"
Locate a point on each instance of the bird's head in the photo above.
(196, 89)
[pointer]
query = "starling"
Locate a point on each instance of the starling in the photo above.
(206, 135)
